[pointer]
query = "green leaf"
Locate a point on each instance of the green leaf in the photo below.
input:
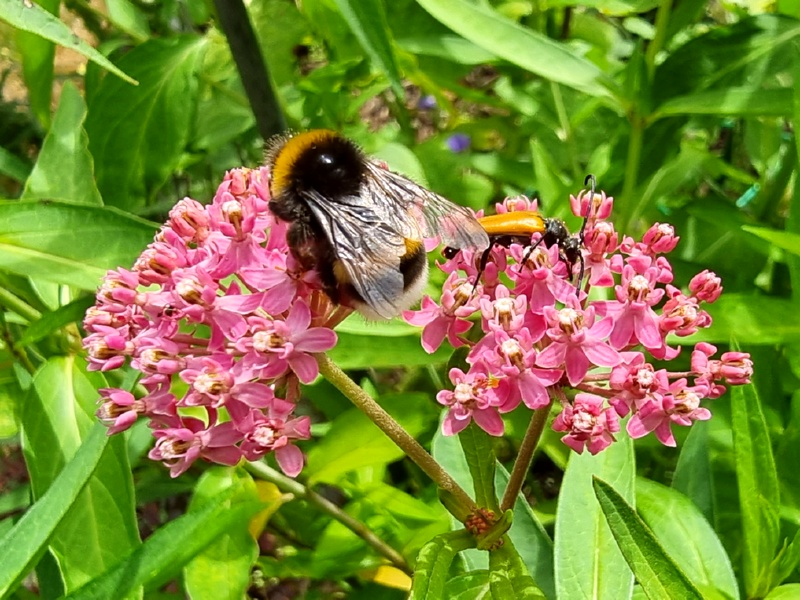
(138, 135)
(655, 570)
(68, 243)
(758, 489)
(731, 102)
(782, 239)
(508, 577)
(469, 586)
(450, 47)
(101, 526)
(222, 569)
(338, 452)
(588, 563)
(757, 319)
(129, 18)
(12, 166)
(27, 541)
(361, 352)
(746, 53)
(686, 535)
(433, 564)
(693, 475)
(479, 452)
(51, 321)
(37, 67)
(520, 46)
(367, 21)
(29, 16)
(790, 591)
(161, 557)
(64, 168)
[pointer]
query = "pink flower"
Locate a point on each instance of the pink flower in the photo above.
(577, 342)
(179, 447)
(635, 321)
(472, 398)
(275, 432)
(459, 301)
(588, 423)
(706, 286)
(680, 406)
(276, 346)
(511, 360)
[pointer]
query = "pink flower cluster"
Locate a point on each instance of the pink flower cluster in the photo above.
(540, 333)
(217, 308)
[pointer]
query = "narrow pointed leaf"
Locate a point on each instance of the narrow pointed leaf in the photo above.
(523, 47)
(27, 541)
(29, 16)
(655, 570)
(757, 480)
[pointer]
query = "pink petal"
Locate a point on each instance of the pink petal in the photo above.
(290, 460)
(316, 339)
(452, 424)
(601, 355)
(304, 366)
(489, 420)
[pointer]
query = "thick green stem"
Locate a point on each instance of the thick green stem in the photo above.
(525, 456)
(394, 431)
(286, 484)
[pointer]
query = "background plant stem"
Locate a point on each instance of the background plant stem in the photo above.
(394, 431)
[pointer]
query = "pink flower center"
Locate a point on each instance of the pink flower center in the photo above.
(190, 289)
(570, 320)
(645, 378)
(504, 311)
(209, 383)
(462, 294)
(513, 352)
(686, 402)
(463, 394)
(232, 209)
(267, 341)
(638, 289)
(583, 422)
(173, 448)
(264, 435)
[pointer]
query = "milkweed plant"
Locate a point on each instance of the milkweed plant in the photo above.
(225, 328)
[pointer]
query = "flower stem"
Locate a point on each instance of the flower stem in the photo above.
(394, 431)
(286, 484)
(525, 456)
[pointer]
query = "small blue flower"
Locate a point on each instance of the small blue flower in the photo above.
(458, 142)
(426, 102)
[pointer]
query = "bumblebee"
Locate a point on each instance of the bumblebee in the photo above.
(361, 226)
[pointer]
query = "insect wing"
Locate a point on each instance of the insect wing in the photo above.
(367, 246)
(418, 213)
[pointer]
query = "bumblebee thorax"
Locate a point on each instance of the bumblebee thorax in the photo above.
(321, 161)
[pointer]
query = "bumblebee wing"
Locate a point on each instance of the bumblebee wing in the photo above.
(367, 246)
(419, 213)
